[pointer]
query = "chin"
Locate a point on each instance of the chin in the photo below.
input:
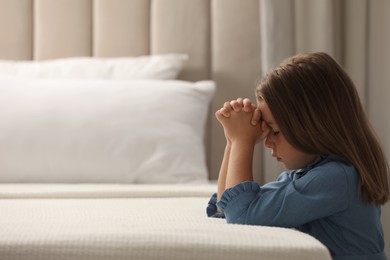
(289, 167)
(286, 167)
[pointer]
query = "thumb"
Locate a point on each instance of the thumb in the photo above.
(265, 130)
(256, 117)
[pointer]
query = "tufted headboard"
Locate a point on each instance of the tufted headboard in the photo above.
(221, 37)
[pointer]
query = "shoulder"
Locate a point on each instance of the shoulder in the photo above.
(334, 166)
(330, 173)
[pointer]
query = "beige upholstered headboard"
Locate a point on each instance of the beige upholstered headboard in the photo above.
(221, 37)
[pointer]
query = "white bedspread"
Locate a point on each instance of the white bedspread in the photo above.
(134, 222)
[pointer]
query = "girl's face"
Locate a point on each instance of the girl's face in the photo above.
(281, 149)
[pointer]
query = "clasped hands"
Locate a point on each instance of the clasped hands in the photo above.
(242, 122)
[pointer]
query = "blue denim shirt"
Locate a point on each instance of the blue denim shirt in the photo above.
(321, 200)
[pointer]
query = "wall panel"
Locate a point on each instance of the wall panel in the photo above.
(63, 28)
(121, 27)
(236, 63)
(183, 26)
(16, 28)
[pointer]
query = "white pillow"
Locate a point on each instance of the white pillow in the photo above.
(164, 66)
(99, 131)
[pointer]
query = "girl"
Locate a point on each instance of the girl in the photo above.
(310, 116)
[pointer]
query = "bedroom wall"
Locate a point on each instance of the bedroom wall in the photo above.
(378, 84)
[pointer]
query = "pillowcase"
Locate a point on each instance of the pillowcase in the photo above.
(164, 66)
(99, 131)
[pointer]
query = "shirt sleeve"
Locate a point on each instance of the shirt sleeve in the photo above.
(289, 201)
(212, 210)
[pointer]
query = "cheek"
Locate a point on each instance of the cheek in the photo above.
(281, 143)
(287, 151)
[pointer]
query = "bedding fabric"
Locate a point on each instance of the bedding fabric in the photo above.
(163, 66)
(127, 222)
(103, 131)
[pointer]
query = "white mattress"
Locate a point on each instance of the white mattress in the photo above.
(134, 222)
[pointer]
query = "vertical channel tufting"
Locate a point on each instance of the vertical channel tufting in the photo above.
(183, 26)
(121, 27)
(16, 28)
(236, 61)
(63, 28)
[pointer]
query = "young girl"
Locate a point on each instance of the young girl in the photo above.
(310, 116)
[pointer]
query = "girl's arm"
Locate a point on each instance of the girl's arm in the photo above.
(223, 171)
(237, 161)
(240, 163)
(225, 111)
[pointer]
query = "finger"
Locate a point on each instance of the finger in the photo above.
(227, 105)
(240, 101)
(225, 112)
(219, 115)
(256, 117)
(247, 104)
(227, 108)
(235, 105)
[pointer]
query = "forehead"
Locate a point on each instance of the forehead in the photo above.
(266, 114)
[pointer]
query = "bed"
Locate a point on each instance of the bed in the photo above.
(108, 145)
(134, 222)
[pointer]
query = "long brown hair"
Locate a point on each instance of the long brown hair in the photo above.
(318, 110)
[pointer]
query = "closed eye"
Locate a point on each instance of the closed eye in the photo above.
(274, 132)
